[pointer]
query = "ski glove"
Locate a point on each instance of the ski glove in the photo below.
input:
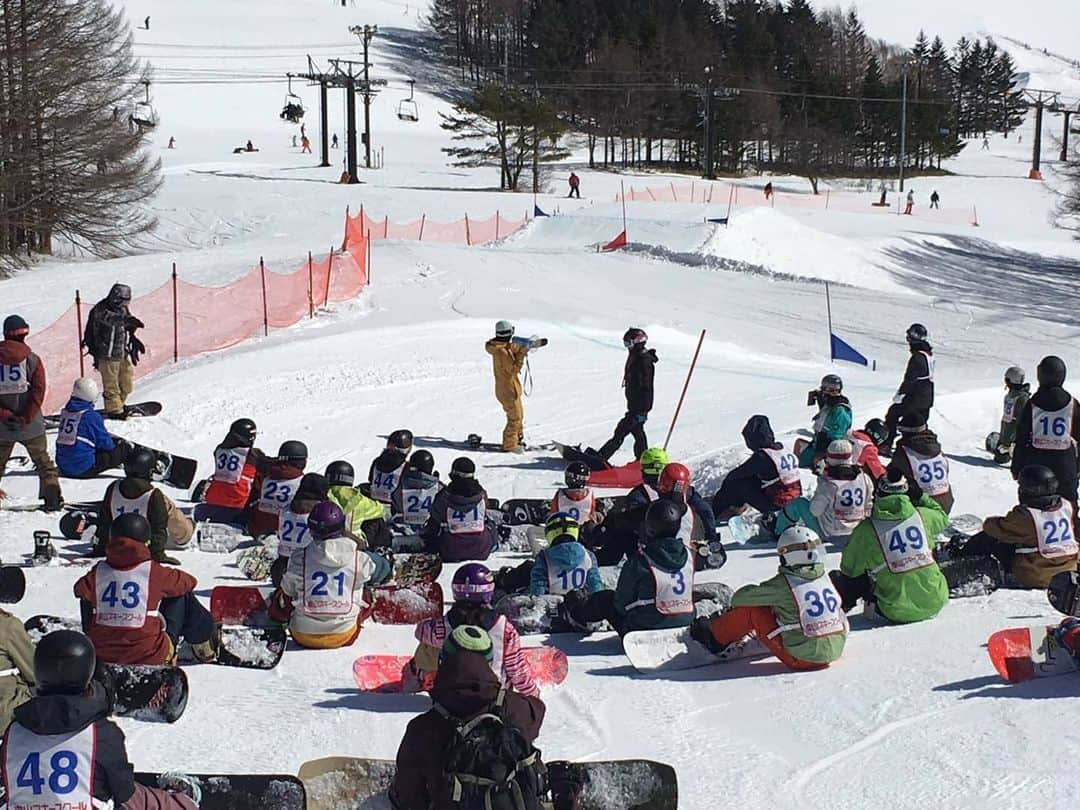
(137, 349)
(641, 418)
(898, 399)
(134, 323)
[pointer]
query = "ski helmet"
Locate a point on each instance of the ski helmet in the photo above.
(504, 330)
(838, 453)
(891, 483)
(340, 474)
(313, 485)
(119, 293)
(140, 464)
(633, 337)
(663, 518)
(16, 327)
(400, 440)
(1014, 375)
(653, 462)
(561, 525)
(467, 638)
(916, 333)
(799, 545)
(325, 521)
(293, 452)
(576, 475)
(463, 468)
(243, 432)
(878, 431)
(473, 583)
(1051, 372)
(912, 423)
(675, 478)
(422, 461)
(831, 384)
(1038, 485)
(85, 389)
(64, 663)
(131, 525)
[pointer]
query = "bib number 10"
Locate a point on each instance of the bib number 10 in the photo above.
(574, 578)
(62, 778)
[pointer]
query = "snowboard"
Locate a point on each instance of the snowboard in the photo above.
(1023, 653)
(382, 673)
(666, 650)
(972, 576)
(1064, 592)
(573, 452)
(138, 409)
(249, 647)
(992, 440)
(218, 538)
(414, 569)
(352, 783)
(240, 791)
(406, 604)
(174, 470)
(238, 604)
(532, 615)
(535, 511)
(12, 584)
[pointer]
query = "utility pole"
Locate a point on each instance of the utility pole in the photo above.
(1040, 99)
(903, 130)
(324, 137)
(366, 34)
(1065, 135)
(709, 173)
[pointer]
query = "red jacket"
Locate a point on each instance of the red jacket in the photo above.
(12, 353)
(866, 454)
(230, 487)
(269, 497)
(132, 644)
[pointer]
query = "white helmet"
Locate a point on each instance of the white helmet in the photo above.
(799, 545)
(86, 389)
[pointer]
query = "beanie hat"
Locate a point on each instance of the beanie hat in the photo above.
(839, 452)
(467, 638)
(15, 327)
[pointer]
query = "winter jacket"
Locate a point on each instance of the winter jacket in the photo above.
(580, 504)
(565, 566)
(413, 497)
(107, 335)
(364, 517)
(385, 473)
(81, 435)
(136, 495)
(292, 530)
(916, 391)
(833, 421)
(838, 508)
(930, 469)
(865, 453)
(1062, 462)
(272, 492)
(1016, 397)
(638, 379)
(776, 594)
(128, 643)
(911, 596)
(1030, 568)
(464, 687)
(17, 664)
(767, 464)
(459, 524)
(507, 359)
(636, 598)
(236, 468)
(704, 521)
(22, 391)
(46, 715)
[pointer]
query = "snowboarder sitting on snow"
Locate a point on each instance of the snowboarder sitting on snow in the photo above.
(274, 488)
(438, 750)
(84, 448)
(1036, 540)
(576, 498)
(655, 587)
(698, 529)
(324, 583)
(416, 491)
(889, 562)
(915, 396)
(472, 588)
(840, 502)
(170, 528)
(292, 532)
(563, 566)
(238, 463)
(833, 421)
(364, 517)
(864, 447)
(652, 463)
(637, 383)
(1017, 394)
(765, 481)
(72, 706)
(136, 610)
(17, 660)
(458, 528)
(796, 615)
(919, 458)
(385, 473)
(1048, 428)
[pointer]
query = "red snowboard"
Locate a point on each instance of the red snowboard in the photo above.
(382, 673)
(625, 477)
(1022, 653)
(407, 604)
(236, 604)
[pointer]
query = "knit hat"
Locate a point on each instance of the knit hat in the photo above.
(467, 638)
(912, 423)
(15, 327)
(839, 452)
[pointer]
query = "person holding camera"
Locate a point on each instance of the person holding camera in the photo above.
(508, 356)
(110, 339)
(832, 423)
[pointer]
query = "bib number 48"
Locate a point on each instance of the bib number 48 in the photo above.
(62, 778)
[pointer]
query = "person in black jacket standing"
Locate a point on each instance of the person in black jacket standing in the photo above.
(110, 339)
(638, 385)
(1048, 428)
(915, 395)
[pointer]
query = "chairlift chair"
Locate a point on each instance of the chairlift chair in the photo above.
(144, 115)
(407, 109)
(293, 110)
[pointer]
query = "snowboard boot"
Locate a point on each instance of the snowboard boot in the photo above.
(206, 652)
(181, 783)
(701, 632)
(118, 416)
(743, 648)
(1064, 592)
(53, 500)
(570, 602)
(44, 550)
(474, 441)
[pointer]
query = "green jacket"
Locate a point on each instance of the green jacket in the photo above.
(637, 584)
(17, 653)
(357, 506)
(914, 595)
(775, 593)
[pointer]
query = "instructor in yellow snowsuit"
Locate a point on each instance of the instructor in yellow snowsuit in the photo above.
(507, 358)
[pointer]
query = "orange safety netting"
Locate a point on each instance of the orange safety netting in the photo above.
(465, 231)
(184, 319)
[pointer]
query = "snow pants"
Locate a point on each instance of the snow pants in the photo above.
(759, 621)
(38, 450)
(629, 425)
(116, 383)
(739, 493)
(600, 606)
(326, 641)
(106, 460)
(146, 798)
(514, 431)
(186, 618)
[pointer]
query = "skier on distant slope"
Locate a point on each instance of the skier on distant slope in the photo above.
(832, 422)
(916, 392)
(638, 385)
(765, 481)
(1049, 427)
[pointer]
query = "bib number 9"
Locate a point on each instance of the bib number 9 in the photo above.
(62, 778)
(912, 540)
(820, 602)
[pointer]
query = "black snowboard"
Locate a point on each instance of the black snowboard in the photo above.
(573, 452)
(252, 647)
(174, 470)
(972, 576)
(137, 409)
(1064, 592)
(12, 584)
(241, 791)
(535, 511)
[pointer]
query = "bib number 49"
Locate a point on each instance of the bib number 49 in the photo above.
(911, 539)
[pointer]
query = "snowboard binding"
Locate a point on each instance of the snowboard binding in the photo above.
(44, 550)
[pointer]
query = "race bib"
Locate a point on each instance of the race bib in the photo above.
(580, 509)
(229, 463)
(276, 494)
(674, 590)
(686, 526)
(904, 544)
(68, 430)
(931, 472)
(328, 590)
(930, 363)
(48, 771)
(416, 505)
(819, 606)
(1050, 429)
(852, 499)
(1008, 411)
(14, 379)
(787, 465)
(383, 484)
(119, 505)
(561, 580)
(122, 595)
(1055, 533)
(292, 532)
(470, 521)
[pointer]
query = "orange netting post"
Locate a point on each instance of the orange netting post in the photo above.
(79, 334)
(367, 269)
(329, 273)
(828, 192)
(496, 224)
(468, 237)
(310, 286)
(175, 317)
(423, 219)
(691, 191)
(674, 193)
(345, 241)
(647, 191)
(386, 227)
(266, 309)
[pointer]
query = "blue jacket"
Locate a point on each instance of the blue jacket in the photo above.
(90, 436)
(567, 564)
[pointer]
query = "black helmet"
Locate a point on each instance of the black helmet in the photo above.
(877, 430)
(64, 663)
(313, 485)
(293, 452)
(401, 439)
(133, 525)
(243, 431)
(463, 468)
(576, 475)
(916, 332)
(634, 336)
(422, 461)
(831, 384)
(1051, 371)
(340, 473)
(1038, 485)
(140, 463)
(663, 519)
(120, 293)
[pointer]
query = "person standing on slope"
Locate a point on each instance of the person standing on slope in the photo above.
(575, 186)
(1049, 427)
(1017, 394)
(638, 386)
(507, 359)
(110, 339)
(916, 392)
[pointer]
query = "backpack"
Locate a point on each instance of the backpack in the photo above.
(490, 765)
